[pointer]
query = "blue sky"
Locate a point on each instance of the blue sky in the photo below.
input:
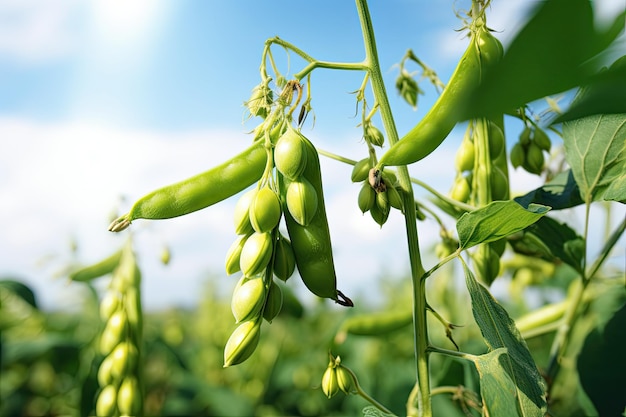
(103, 101)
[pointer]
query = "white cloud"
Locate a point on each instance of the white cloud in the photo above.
(32, 31)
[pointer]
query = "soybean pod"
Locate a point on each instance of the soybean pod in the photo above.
(103, 267)
(199, 191)
(449, 108)
(311, 242)
(377, 324)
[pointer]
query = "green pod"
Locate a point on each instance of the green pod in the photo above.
(311, 244)
(496, 140)
(486, 263)
(123, 360)
(499, 184)
(132, 302)
(256, 254)
(106, 404)
(518, 155)
(380, 213)
(464, 158)
(274, 302)
(284, 264)
(302, 201)
(361, 170)
(437, 124)
(114, 331)
(103, 267)
(199, 191)
(265, 210)
(542, 140)
(534, 159)
(290, 154)
(233, 255)
(248, 298)
(461, 188)
(129, 398)
(104, 372)
(241, 214)
(377, 324)
(395, 199)
(242, 342)
(330, 386)
(110, 304)
(367, 197)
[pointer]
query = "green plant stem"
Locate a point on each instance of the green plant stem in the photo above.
(420, 330)
(577, 300)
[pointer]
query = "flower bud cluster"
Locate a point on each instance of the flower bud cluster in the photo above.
(379, 191)
(120, 341)
(528, 151)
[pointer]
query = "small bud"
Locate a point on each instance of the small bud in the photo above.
(330, 387)
(361, 170)
(345, 380)
(241, 215)
(233, 255)
(248, 298)
(373, 135)
(542, 140)
(367, 197)
(256, 254)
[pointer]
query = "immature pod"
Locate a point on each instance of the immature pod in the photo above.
(284, 260)
(199, 191)
(534, 159)
(233, 256)
(496, 140)
(265, 210)
(109, 304)
(311, 244)
(377, 324)
(367, 197)
(104, 372)
(123, 360)
(242, 342)
(114, 331)
(256, 254)
(361, 170)
(129, 398)
(430, 132)
(274, 302)
(464, 158)
(241, 214)
(103, 267)
(499, 184)
(518, 155)
(106, 404)
(542, 140)
(290, 154)
(302, 201)
(248, 298)
(345, 380)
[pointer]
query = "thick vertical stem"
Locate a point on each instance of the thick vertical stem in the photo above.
(417, 270)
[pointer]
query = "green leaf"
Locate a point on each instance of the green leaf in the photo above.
(601, 365)
(595, 148)
(604, 95)
(552, 241)
(371, 411)
(22, 291)
(560, 193)
(495, 221)
(497, 389)
(551, 54)
(499, 331)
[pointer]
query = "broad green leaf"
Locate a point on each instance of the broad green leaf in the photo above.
(22, 291)
(601, 364)
(499, 331)
(595, 148)
(605, 95)
(560, 193)
(550, 54)
(497, 389)
(495, 221)
(550, 240)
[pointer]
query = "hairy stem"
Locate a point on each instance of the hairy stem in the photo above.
(420, 330)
